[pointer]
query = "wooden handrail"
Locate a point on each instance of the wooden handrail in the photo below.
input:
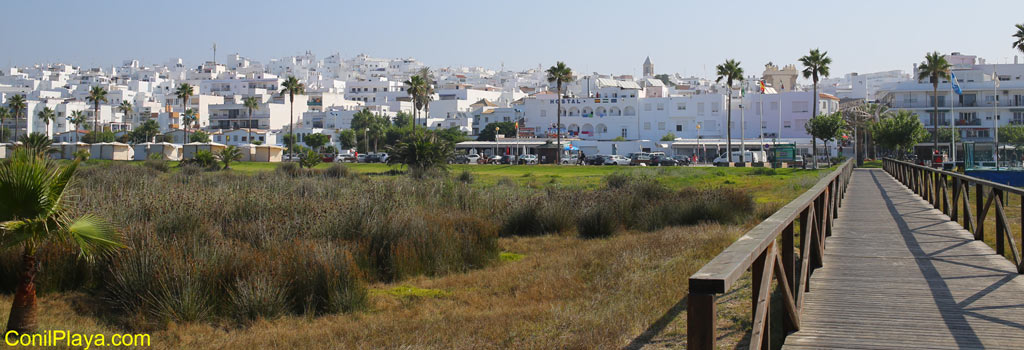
(989, 197)
(762, 252)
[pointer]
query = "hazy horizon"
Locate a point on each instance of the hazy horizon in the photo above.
(591, 36)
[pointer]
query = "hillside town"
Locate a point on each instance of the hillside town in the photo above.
(239, 101)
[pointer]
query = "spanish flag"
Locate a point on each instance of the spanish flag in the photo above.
(760, 85)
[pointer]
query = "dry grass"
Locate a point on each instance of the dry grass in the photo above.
(566, 293)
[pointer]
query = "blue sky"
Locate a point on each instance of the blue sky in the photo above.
(688, 37)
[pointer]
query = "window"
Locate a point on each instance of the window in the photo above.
(661, 125)
(775, 106)
(679, 127)
(661, 106)
(800, 107)
(700, 108)
(647, 107)
(681, 106)
(1018, 118)
(787, 124)
(625, 132)
(714, 107)
(647, 125)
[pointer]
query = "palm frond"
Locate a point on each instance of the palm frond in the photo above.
(93, 236)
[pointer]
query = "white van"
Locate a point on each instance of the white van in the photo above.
(748, 156)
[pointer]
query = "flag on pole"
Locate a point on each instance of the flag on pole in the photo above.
(760, 85)
(956, 84)
(995, 78)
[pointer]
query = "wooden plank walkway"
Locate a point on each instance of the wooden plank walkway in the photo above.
(899, 274)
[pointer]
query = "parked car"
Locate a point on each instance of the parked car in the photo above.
(345, 158)
(682, 159)
(361, 158)
(528, 159)
(663, 160)
(327, 157)
(597, 159)
(570, 160)
(372, 158)
(616, 159)
(640, 158)
(383, 157)
(472, 159)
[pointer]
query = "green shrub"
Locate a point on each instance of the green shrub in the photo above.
(598, 221)
(466, 177)
(310, 159)
(337, 171)
(289, 168)
(258, 296)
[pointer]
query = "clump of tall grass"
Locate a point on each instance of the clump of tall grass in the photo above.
(465, 177)
(337, 171)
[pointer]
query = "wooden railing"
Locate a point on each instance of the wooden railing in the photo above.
(769, 251)
(950, 192)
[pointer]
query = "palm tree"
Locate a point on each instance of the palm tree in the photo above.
(126, 108)
(877, 111)
(253, 104)
(4, 114)
(1019, 43)
(229, 154)
(187, 120)
(34, 211)
(730, 71)
(78, 118)
(934, 68)
(17, 105)
(417, 86)
(96, 95)
(47, 115)
(292, 86)
(37, 143)
(427, 94)
(815, 67)
(184, 93)
(559, 74)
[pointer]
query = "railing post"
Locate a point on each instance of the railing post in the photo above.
(1000, 225)
(979, 200)
(701, 321)
(936, 197)
(954, 212)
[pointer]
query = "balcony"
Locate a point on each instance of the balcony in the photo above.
(968, 122)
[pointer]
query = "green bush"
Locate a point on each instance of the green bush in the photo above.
(337, 171)
(598, 221)
(466, 177)
(309, 159)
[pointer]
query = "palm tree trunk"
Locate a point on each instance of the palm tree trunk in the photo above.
(728, 125)
(23, 309)
(250, 126)
(16, 113)
(814, 114)
(935, 114)
(184, 104)
(2, 130)
(558, 125)
(291, 120)
(95, 118)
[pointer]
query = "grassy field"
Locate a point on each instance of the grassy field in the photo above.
(554, 288)
(767, 186)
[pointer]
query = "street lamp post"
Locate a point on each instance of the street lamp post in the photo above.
(698, 144)
(495, 155)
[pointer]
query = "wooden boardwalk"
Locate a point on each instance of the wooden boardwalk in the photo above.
(899, 274)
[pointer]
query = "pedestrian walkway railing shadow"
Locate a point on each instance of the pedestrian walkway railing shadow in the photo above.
(951, 193)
